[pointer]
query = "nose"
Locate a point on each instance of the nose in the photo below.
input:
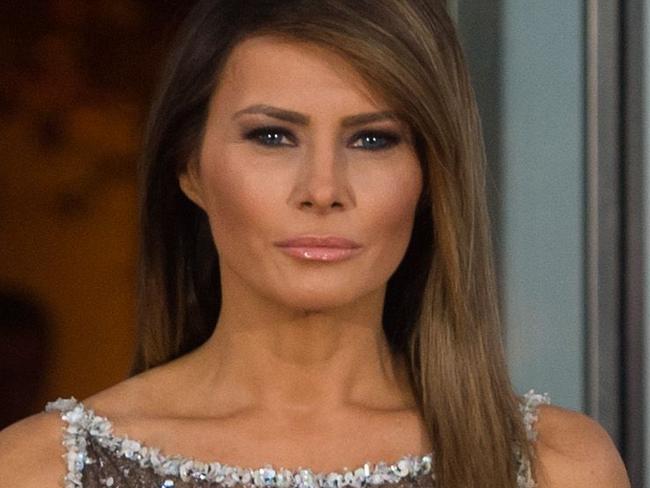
(322, 183)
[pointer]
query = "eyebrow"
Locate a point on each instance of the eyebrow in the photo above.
(301, 119)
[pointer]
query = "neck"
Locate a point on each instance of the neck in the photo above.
(289, 359)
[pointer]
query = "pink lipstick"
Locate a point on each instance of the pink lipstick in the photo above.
(320, 248)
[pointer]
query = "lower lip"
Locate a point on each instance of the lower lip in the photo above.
(321, 253)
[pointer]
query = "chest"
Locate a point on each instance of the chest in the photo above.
(326, 444)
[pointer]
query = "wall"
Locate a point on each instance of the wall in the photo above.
(527, 66)
(646, 157)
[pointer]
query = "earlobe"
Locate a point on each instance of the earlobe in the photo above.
(190, 187)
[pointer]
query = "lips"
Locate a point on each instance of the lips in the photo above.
(320, 248)
(335, 242)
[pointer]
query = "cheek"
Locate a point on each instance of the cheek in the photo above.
(394, 203)
(391, 216)
(240, 205)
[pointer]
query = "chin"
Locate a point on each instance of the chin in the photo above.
(321, 300)
(314, 304)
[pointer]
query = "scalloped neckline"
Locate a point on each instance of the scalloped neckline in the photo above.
(101, 428)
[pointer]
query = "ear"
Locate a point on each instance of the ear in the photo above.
(189, 183)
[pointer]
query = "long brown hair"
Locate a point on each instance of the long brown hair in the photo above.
(440, 310)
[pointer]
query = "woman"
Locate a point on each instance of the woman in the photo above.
(316, 289)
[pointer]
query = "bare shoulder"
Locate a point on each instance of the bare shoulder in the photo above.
(31, 452)
(137, 396)
(575, 451)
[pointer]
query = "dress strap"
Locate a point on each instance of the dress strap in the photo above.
(78, 422)
(529, 410)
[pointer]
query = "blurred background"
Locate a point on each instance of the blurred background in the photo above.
(563, 90)
(76, 80)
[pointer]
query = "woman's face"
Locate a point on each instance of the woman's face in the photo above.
(290, 149)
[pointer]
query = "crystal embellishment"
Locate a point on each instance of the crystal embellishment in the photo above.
(528, 410)
(82, 422)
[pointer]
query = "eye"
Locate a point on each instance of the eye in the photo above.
(376, 140)
(269, 136)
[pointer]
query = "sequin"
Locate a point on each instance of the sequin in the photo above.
(83, 430)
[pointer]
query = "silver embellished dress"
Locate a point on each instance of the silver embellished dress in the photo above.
(97, 458)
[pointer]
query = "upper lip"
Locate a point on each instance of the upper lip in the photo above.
(318, 241)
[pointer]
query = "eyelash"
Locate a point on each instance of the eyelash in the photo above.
(390, 138)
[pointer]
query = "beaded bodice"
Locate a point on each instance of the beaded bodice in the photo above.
(95, 457)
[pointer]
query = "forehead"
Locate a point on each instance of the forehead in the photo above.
(271, 68)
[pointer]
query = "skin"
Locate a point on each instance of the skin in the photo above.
(297, 372)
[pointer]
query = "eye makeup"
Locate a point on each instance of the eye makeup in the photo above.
(377, 139)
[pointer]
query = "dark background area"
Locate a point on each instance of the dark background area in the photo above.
(76, 81)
